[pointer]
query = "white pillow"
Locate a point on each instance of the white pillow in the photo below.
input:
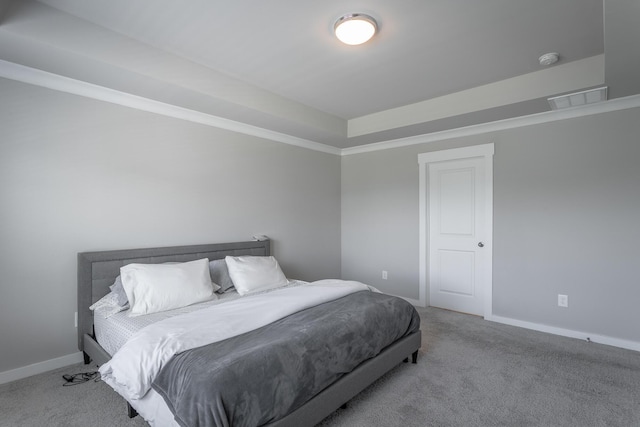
(255, 273)
(158, 287)
(108, 305)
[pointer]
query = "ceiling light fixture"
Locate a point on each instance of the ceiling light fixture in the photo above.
(355, 28)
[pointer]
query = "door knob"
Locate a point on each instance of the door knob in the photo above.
(480, 244)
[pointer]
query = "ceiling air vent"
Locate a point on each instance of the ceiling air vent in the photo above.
(590, 96)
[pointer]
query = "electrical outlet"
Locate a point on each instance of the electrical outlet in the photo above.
(384, 274)
(563, 300)
(75, 319)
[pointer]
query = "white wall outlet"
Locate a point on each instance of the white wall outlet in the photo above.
(384, 275)
(563, 300)
(75, 319)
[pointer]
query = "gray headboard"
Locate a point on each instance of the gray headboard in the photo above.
(98, 270)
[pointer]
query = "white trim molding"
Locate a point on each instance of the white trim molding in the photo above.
(413, 302)
(40, 367)
(486, 152)
(52, 81)
(585, 336)
(567, 77)
(516, 122)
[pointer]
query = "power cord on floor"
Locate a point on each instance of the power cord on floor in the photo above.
(80, 378)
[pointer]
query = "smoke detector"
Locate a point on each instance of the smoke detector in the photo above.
(549, 59)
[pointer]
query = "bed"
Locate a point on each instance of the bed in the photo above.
(97, 272)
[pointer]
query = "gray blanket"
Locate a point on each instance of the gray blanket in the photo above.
(261, 376)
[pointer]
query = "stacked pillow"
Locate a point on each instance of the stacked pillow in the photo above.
(111, 303)
(220, 275)
(251, 274)
(150, 288)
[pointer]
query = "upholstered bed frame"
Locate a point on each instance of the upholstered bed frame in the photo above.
(98, 270)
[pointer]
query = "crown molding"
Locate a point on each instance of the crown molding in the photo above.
(56, 82)
(564, 78)
(60, 83)
(516, 122)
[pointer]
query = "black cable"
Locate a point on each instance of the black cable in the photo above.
(80, 378)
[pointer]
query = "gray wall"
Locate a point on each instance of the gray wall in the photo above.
(566, 212)
(82, 175)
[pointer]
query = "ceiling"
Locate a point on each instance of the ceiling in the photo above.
(434, 65)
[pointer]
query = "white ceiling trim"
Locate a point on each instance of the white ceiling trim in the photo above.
(60, 83)
(52, 81)
(569, 77)
(516, 122)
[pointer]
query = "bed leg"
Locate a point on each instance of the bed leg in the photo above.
(87, 359)
(414, 357)
(406, 360)
(343, 406)
(131, 413)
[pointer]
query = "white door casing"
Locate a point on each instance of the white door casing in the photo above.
(456, 217)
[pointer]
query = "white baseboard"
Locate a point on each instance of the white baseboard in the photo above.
(414, 302)
(600, 339)
(40, 367)
(72, 359)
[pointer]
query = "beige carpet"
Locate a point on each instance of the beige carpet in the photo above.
(470, 372)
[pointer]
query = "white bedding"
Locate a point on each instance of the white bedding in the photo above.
(114, 331)
(134, 366)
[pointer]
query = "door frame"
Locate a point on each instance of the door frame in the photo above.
(484, 151)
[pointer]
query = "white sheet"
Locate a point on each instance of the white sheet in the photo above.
(133, 368)
(114, 331)
(154, 410)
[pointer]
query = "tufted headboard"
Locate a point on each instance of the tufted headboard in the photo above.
(98, 270)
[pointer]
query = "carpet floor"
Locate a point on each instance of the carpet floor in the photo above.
(470, 372)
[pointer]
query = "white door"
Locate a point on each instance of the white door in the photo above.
(456, 216)
(458, 229)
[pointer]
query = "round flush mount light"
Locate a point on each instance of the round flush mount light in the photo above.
(548, 59)
(355, 28)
